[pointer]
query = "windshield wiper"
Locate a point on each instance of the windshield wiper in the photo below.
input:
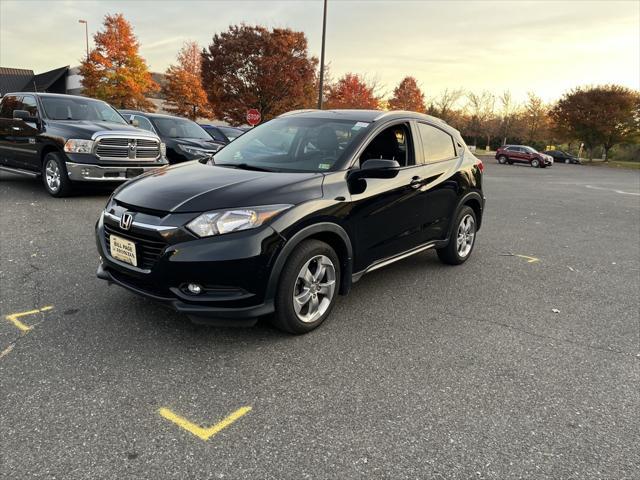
(244, 166)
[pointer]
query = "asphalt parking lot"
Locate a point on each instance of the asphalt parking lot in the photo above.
(424, 371)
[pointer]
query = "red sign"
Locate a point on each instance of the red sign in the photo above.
(253, 117)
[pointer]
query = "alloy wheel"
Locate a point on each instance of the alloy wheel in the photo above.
(466, 236)
(52, 175)
(314, 289)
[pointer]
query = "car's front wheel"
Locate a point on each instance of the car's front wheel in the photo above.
(502, 159)
(567, 161)
(462, 239)
(308, 287)
(54, 175)
(535, 163)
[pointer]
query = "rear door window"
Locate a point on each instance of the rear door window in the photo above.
(144, 123)
(9, 104)
(437, 144)
(30, 105)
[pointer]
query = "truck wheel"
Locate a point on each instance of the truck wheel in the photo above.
(502, 159)
(54, 175)
(308, 287)
(535, 163)
(463, 238)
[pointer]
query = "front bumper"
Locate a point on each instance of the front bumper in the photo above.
(86, 172)
(234, 270)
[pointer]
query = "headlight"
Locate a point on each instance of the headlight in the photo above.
(78, 146)
(200, 152)
(232, 220)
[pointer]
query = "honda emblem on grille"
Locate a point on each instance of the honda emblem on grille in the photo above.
(133, 146)
(126, 220)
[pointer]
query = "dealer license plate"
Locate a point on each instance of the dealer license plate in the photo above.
(123, 250)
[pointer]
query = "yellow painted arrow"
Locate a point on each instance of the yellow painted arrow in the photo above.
(529, 259)
(201, 432)
(13, 318)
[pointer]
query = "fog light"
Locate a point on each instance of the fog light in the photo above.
(194, 288)
(85, 172)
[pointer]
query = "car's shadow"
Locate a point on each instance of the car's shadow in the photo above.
(34, 188)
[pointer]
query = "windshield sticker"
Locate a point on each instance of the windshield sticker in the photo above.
(324, 166)
(360, 125)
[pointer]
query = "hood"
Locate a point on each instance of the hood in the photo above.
(194, 142)
(197, 187)
(85, 128)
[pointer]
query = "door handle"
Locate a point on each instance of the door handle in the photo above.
(416, 182)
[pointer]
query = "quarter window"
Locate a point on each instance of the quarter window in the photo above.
(438, 145)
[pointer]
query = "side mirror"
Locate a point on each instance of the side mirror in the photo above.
(377, 168)
(25, 116)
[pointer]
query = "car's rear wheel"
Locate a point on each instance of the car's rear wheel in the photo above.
(308, 287)
(567, 161)
(462, 239)
(535, 163)
(502, 159)
(54, 175)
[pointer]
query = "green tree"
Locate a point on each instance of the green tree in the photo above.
(602, 115)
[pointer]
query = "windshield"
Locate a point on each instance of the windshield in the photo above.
(292, 144)
(72, 108)
(230, 132)
(179, 128)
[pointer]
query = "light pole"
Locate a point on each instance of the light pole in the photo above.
(86, 34)
(324, 32)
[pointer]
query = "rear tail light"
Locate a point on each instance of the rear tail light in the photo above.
(480, 166)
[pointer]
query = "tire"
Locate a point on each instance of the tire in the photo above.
(306, 258)
(567, 161)
(502, 159)
(452, 254)
(535, 163)
(54, 175)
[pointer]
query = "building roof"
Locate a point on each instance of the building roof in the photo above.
(14, 79)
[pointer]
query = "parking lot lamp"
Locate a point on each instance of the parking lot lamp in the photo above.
(86, 35)
(324, 31)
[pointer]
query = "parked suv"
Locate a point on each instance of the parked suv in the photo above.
(185, 139)
(290, 214)
(523, 154)
(67, 139)
(562, 156)
(222, 133)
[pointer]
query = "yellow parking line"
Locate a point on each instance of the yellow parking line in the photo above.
(13, 318)
(201, 432)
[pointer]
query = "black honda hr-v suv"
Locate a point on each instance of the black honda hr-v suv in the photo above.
(289, 215)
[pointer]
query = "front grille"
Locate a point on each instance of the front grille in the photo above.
(148, 249)
(136, 283)
(118, 148)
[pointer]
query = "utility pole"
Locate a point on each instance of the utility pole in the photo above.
(86, 34)
(324, 32)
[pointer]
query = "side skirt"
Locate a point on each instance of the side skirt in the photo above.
(20, 171)
(388, 261)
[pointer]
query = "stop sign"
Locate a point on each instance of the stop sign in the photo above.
(253, 117)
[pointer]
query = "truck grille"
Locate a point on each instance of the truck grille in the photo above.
(118, 148)
(148, 250)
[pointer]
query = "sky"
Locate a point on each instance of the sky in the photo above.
(547, 47)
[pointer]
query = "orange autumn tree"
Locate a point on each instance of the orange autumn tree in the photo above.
(114, 70)
(408, 96)
(183, 89)
(352, 91)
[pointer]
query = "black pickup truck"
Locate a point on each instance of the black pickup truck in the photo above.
(67, 139)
